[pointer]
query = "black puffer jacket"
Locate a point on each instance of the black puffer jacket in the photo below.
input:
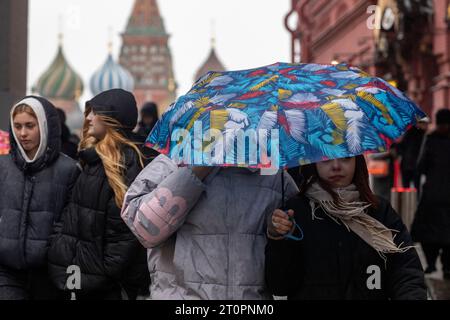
(32, 197)
(92, 234)
(432, 220)
(332, 263)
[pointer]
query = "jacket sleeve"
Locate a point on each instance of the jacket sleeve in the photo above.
(157, 202)
(405, 278)
(57, 225)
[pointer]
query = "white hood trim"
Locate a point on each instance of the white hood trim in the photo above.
(38, 109)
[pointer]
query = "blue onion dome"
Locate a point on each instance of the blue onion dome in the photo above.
(111, 76)
(59, 81)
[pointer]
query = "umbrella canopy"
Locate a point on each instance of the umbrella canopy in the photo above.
(283, 115)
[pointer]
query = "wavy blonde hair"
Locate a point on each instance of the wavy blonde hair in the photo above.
(109, 150)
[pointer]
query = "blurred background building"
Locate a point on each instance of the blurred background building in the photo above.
(146, 54)
(13, 55)
(212, 63)
(403, 41)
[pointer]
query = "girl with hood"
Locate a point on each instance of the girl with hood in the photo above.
(91, 235)
(35, 184)
(350, 244)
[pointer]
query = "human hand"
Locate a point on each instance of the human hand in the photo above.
(280, 223)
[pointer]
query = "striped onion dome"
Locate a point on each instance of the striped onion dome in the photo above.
(60, 81)
(111, 76)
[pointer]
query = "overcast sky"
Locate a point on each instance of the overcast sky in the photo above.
(249, 33)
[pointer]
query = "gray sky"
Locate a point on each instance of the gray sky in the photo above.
(249, 33)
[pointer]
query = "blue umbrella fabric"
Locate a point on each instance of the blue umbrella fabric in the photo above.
(283, 115)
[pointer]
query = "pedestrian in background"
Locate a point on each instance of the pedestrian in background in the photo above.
(149, 117)
(431, 225)
(408, 149)
(68, 146)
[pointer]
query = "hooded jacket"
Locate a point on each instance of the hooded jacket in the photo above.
(206, 238)
(33, 192)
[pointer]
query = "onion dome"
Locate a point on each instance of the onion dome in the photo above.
(211, 64)
(60, 81)
(111, 76)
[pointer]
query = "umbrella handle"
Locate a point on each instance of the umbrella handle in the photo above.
(291, 236)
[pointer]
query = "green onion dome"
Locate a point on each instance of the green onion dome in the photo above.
(60, 81)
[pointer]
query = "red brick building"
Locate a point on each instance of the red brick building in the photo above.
(406, 42)
(146, 55)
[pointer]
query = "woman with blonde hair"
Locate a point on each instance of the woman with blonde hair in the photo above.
(35, 184)
(91, 235)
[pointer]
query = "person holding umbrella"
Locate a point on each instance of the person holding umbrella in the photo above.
(206, 227)
(353, 246)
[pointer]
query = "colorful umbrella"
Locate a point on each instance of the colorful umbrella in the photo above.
(283, 115)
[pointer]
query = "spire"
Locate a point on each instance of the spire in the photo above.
(110, 40)
(213, 35)
(60, 31)
(60, 40)
(146, 19)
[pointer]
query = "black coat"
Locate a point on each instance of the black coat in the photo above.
(331, 262)
(32, 198)
(409, 148)
(93, 236)
(432, 221)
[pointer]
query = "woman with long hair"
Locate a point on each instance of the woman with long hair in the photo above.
(339, 241)
(35, 184)
(91, 235)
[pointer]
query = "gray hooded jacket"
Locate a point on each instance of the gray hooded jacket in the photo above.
(206, 239)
